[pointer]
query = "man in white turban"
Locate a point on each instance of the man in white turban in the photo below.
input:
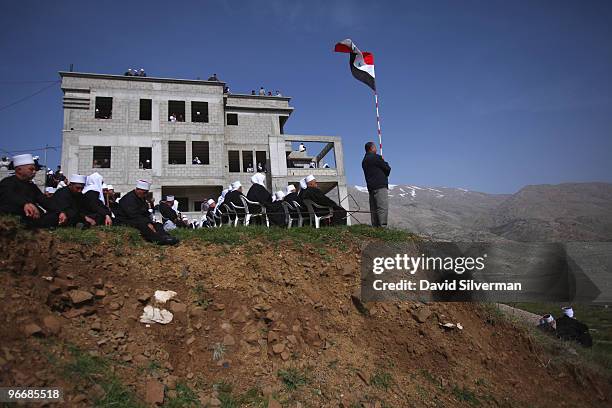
(570, 329)
(19, 196)
(133, 210)
(314, 194)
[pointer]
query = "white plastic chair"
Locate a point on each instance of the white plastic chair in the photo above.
(313, 215)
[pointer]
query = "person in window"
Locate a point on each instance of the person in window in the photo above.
(196, 160)
(250, 168)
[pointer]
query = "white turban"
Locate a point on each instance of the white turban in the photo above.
(259, 178)
(309, 178)
(210, 201)
(94, 183)
(22, 160)
(290, 189)
(143, 185)
(236, 185)
(568, 311)
(279, 195)
(77, 179)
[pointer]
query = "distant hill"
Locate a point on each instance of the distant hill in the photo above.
(563, 212)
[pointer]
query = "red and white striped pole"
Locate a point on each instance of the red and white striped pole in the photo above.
(378, 123)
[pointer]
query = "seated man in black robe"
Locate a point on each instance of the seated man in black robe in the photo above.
(94, 204)
(133, 210)
(168, 213)
(233, 197)
(276, 211)
(71, 201)
(20, 196)
(211, 205)
(259, 193)
(568, 328)
(315, 195)
(293, 197)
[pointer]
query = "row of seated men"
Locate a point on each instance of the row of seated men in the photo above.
(87, 201)
(259, 194)
(84, 202)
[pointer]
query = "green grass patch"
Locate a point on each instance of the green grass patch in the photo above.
(185, 398)
(88, 370)
(85, 237)
(328, 236)
(292, 378)
(382, 380)
(464, 394)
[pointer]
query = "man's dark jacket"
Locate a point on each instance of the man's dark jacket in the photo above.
(259, 193)
(14, 194)
(376, 171)
(71, 204)
(132, 210)
(167, 213)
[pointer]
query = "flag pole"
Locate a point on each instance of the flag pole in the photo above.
(378, 123)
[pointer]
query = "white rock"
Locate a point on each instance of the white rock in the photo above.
(152, 314)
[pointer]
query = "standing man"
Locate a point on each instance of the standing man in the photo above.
(376, 172)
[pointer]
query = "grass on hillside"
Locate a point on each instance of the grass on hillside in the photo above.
(332, 236)
(327, 236)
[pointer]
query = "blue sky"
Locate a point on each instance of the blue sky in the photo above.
(485, 95)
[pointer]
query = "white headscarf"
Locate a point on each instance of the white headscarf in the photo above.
(259, 178)
(568, 311)
(290, 189)
(279, 195)
(303, 184)
(94, 183)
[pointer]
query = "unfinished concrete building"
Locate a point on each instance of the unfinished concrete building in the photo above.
(188, 137)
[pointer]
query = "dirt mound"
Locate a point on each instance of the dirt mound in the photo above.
(256, 323)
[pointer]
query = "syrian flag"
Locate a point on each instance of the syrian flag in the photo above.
(361, 63)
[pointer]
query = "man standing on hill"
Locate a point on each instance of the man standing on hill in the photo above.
(376, 171)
